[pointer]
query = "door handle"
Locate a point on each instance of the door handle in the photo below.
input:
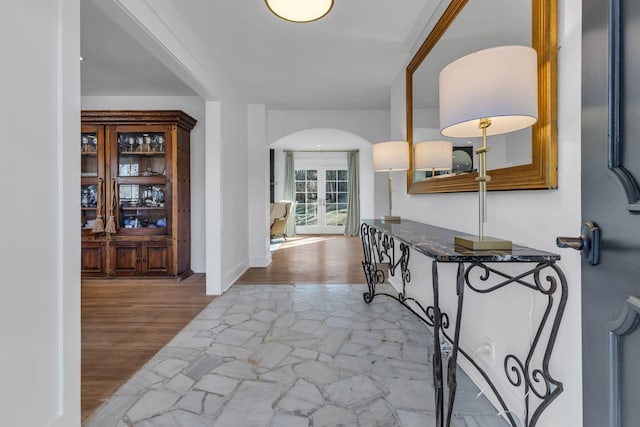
(588, 243)
(570, 242)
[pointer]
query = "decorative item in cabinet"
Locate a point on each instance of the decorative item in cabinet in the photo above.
(142, 206)
(89, 204)
(145, 168)
(141, 154)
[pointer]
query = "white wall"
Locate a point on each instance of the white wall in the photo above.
(40, 169)
(258, 194)
(194, 106)
(372, 125)
(234, 181)
(531, 218)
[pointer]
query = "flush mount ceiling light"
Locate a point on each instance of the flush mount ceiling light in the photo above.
(299, 10)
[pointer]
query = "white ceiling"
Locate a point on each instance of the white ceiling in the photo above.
(348, 59)
(116, 64)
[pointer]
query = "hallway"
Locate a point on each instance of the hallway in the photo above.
(294, 356)
(306, 259)
(125, 322)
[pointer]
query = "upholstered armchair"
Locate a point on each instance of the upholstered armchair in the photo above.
(280, 212)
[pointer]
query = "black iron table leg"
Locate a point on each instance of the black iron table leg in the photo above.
(437, 353)
(453, 360)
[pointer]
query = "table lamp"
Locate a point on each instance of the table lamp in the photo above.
(489, 92)
(390, 157)
(433, 156)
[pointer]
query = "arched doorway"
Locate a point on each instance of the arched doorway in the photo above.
(320, 163)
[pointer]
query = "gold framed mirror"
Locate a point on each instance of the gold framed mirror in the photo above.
(524, 167)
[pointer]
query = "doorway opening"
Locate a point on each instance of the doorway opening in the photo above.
(321, 195)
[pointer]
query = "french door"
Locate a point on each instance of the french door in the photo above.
(321, 197)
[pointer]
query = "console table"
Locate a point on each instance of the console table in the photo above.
(540, 274)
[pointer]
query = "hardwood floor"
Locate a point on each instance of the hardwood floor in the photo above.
(312, 259)
(124, 323)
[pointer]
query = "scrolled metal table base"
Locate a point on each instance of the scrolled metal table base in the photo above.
(539, 387)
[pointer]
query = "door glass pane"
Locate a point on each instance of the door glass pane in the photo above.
(312, 186)
(89, 150)
(141, 154)
(336, 198)
(306, 185)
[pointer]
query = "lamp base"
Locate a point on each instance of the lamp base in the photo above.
(390, 218)
(486, 244)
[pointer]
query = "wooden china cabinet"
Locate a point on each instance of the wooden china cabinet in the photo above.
(136, 181)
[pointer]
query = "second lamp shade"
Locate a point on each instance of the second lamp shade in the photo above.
(433, 155)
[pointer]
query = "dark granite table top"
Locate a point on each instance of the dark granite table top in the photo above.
(437, 243)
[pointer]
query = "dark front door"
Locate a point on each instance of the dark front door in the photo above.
(610, 198)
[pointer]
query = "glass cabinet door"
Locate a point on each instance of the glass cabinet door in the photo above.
(89, 150)
(141, 154)
(91, 170)
(141, 182)
(142, 206)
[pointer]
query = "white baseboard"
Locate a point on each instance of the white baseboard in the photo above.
(234, 275)
(260, 261)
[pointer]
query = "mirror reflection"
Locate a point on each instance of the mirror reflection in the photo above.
(479, 25)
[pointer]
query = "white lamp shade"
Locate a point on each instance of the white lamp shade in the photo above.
(500, 84)
(391, 156)
(300, 10)
(433, 155)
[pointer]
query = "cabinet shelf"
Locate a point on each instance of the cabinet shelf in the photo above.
(143, 208)
(143, 180)
(141, 153)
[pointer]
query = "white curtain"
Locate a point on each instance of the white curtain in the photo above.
(352, 225)
(290, 193)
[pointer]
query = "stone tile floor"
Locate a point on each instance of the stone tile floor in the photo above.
(289, 356)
